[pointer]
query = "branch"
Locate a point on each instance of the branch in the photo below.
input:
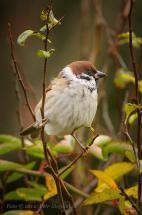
(132, 52)
(78, 157)
(137, 102)
(130, 200)
(18, 72)
(48, 155)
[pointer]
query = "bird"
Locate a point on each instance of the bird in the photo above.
(71, 100)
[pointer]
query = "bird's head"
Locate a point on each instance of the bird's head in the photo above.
(83, 70)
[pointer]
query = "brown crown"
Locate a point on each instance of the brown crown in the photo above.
(79, 67)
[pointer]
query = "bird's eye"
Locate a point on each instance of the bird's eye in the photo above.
(85, 77)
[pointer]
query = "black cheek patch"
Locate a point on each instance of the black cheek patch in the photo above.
(85, 77)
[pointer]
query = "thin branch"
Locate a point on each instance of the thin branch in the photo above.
(48, 155)
(85, 150)
(17, 91)
(137, 102)
(130, 200)
(18, 72)
(74, 161)
(132, 52)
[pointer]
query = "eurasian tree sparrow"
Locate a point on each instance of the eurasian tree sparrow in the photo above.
(71, 100)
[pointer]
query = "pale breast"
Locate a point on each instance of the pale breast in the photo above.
(68, 108)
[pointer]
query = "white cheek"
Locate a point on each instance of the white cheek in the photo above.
(67, 72)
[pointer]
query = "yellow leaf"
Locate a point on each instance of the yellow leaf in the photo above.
(104, 177)
(123, 77)
(140, 86)
(44, 14)
(132, 191)
(51, 185)
(129, 108)
(106, 195)
(115, 171)
(119, 169)
(26, 213)
(121, 206)
(132, 118)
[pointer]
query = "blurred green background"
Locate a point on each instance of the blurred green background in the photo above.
(67, 40)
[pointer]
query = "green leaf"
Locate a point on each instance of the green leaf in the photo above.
(44, 14)
(44, 54)
(129, 108)
(106, 195)
(140, 86)
(35, 150)
(12, 196)
(130, 156)
(97, 152)
(9, 139)
(123, 77)
(124, 39)
(12, 212)
(24, 36)
(65, 146)
(132, 118)
(28, 33)
(102, 140)
(39, 187)
(125, 35)
(52, 21)
(8, 165)
(8, 147)
(15, 176)
(96, 149)
(19, 212)
(9, 143)
(116, 147)
(132, 191)
(29, 194)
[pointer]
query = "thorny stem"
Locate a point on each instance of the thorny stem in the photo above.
(137, 101)
(18, 72)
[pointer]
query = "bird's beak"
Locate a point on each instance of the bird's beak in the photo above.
(100, 74)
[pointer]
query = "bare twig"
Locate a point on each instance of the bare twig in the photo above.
(18, 72)
(78, 157)
(74, 161)
(133, 146)
(137, 102)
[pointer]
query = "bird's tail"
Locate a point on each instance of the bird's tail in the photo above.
(32, 130)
